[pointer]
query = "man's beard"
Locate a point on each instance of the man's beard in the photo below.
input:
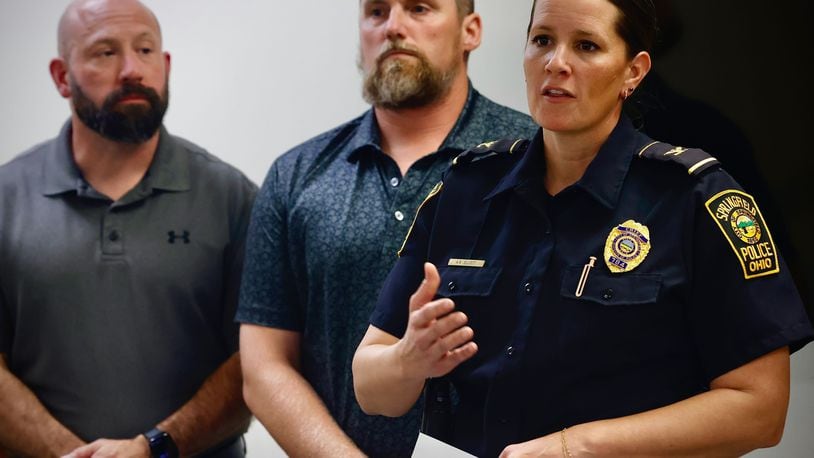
(403, 82)
(129, 123)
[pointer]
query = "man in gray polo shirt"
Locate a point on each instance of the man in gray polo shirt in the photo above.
(120, 256)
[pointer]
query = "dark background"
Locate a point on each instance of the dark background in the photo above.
(735, 78)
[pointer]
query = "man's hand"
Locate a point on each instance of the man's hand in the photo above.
(107, 448)
(437, 339)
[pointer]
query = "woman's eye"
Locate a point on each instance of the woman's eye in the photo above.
(587, 46)
(541, 40)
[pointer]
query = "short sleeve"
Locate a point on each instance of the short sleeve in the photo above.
(5, 326)
(392, 307)
(742, 300)
(268, 294)
(244, 196)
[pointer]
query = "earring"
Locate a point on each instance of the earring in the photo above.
(627, 93)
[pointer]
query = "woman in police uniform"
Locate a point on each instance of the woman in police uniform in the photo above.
(592, 291)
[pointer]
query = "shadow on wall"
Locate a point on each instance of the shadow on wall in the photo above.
(728, 78)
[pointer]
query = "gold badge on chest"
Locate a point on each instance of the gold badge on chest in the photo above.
(627, 246)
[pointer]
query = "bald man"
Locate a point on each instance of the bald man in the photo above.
(120, 256)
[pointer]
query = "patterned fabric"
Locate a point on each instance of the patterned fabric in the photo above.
(325, 230)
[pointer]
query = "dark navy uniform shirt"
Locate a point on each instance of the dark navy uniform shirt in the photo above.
(325, 230)
(701, 289)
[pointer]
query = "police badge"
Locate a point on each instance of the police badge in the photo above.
(627, 246)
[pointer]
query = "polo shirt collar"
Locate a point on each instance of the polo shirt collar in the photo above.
(168, 171)
(604, 177)
(367, 137)
(60, 173)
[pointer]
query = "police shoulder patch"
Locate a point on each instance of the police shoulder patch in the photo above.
(742, 224)
(433, 192)
(490, 149)
(693, 159)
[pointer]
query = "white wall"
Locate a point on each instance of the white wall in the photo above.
(252, 78)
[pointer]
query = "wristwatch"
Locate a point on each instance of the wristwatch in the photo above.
(161, 444)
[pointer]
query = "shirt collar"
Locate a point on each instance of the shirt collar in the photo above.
(59, 171)
(602, 179)
(367, 137)
(168, 171)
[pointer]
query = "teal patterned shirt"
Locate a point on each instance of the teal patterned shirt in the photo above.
(325, 229)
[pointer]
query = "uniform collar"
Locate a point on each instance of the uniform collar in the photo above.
(367, 137)
(604, 176)
(168, 171)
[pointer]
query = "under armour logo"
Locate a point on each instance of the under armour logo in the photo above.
(173, 236)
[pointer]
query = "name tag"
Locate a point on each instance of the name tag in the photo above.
(467, 262)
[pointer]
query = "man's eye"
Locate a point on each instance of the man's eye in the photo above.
(419, 9)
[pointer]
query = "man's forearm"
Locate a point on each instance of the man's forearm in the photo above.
(26, 427)
(215, 413)
(278, 395)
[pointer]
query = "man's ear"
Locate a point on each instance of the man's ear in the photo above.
(471, 31)
(167, 63)
(59, 74)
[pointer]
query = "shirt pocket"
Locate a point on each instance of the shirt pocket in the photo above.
(617, 320)
(612, 290)
(463, 282)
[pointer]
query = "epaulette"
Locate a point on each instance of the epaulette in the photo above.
(693, 159)
(490, 149)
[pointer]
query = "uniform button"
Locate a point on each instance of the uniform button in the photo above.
(528, 288)
(394, 182)
(607, 294)
(399, 215)
(113, 236)
(509, 351)
(503, 421)
(451, 286)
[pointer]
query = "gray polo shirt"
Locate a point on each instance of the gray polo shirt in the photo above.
(114, 313)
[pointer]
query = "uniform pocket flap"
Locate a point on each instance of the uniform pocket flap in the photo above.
(467, 281)
(612, 289)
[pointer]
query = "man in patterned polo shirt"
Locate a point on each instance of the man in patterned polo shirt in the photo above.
(330, 218)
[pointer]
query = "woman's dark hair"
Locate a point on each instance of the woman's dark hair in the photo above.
(636, 25)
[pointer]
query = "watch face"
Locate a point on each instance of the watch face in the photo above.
(161, 444)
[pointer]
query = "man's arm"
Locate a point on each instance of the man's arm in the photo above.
(744, 409)
(215, 413)
(26, 427)
(278, 395)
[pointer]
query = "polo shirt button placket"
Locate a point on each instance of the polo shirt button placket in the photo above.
(111, 234)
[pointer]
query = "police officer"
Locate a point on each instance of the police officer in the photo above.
(591, 291)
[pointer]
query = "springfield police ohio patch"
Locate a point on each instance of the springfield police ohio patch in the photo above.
(740, 220)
